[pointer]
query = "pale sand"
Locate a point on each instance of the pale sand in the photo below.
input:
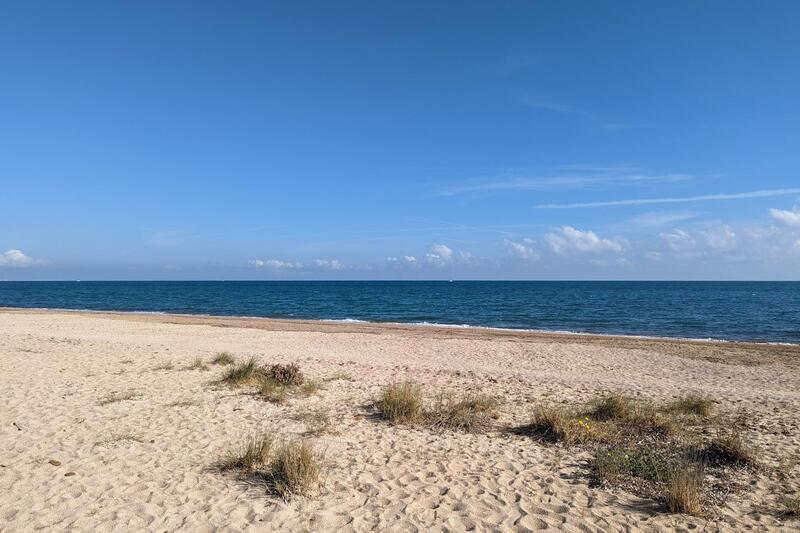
(144, 464)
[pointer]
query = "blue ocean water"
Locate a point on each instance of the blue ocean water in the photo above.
(755, 311)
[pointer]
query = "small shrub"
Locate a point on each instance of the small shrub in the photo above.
(401, 402)
(164, 366)
(684, 490)
(223, 358)
(692, 405)
(473, 413)
(730, 448)
(286, 374)
(242, 373)
(295, 469)
(253, 453)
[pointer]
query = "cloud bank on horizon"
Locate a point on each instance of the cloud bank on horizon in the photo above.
(305, 142)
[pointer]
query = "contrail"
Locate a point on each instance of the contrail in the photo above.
(674, 200)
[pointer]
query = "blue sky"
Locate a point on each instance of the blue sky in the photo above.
(403, 140)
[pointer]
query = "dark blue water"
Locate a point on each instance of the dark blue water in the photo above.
(756, 311)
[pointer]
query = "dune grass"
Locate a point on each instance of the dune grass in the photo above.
(475, 412)
(254, 452)
(223, 358)
(197, 364)
(691, 405)
(401, 403)
(289, 468)
(730, 448)
(295, 469)
(242, 374)
(684, 491)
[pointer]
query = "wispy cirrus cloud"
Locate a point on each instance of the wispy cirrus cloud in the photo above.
(576, 177)
(671, 200)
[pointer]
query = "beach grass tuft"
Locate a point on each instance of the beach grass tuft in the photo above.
(684, 490)
(556, 424)
(197, 364)
(472, 413)
(400, 402)
(730, 448)
(251, 454)
(691, 405)
(223, 358)
(242, 374)
(273, 392)
(295, 469)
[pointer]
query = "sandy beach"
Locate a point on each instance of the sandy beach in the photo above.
(71, 460)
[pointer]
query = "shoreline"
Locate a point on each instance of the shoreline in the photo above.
(433, 326)
(728, 352)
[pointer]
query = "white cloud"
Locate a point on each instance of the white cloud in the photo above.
(721, 238)
(405, 260)
(790, 218)
(568, 239)
(333, 264)
(523, 250)
(678, 240)
(439, 255)
(15, 258)
(275, 264)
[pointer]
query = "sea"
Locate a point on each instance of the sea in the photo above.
(734, 311)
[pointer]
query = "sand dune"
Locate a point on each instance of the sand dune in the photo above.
(72, 460)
